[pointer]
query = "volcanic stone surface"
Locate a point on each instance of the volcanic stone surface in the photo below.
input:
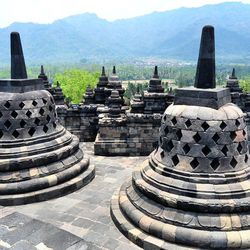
(39, 159)
(193, 191)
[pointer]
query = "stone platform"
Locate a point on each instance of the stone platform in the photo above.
(80, 220)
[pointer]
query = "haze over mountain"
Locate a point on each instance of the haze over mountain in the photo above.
(171, 34)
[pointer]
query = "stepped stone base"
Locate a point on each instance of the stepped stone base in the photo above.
(62, 189)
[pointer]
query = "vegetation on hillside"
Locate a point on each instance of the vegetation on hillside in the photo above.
(74, 83)
(245, 84)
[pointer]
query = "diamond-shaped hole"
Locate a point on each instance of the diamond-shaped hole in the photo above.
(223, 125)
(205, 126)
(7, 124)
(186, 148)
(7, 105)
(239, 148)
(216, 137)
(50, 108)
(45, 129)
(41, 111)
(166, 130)
(1, 114)
(162, 154)
(215, 164)
(15, 133)
(34, 103)
(48, 118)
(175, 160)
(233, 163)
(246, 158)
(14, 114)
(243, 132)
(37, 121)
(21, 105)
(224, 150)
(22, 123)
(174, 121)
(188, 123)
(197, 137)
(32, 131)
(169, 146)
(1, 133)
(44, 101)
(179, 134)
(28, 113)
(237, 123)
(194, 163)
(206, 150)
(232, 135)
(54, 125)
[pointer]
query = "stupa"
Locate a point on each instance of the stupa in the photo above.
(58, 94)
(89, 97)
(100, 97)
(233, 83)
(193, 190)
(155, 100)
(114, 83)
(44, 77)
(39, 159)
(137, 103)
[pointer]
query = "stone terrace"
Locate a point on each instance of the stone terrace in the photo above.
(80, 220)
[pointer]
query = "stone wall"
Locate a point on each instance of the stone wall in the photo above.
(81, 121)
(131, 134)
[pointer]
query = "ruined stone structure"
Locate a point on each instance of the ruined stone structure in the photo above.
(40, 159)
(136, 132)
(192, 192)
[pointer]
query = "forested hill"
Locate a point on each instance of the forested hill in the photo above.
(172, 34)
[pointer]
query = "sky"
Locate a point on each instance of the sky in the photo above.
(47, 11)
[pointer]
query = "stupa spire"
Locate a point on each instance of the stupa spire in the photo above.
(18, 68)
(42, 70)
(205, 72)
(103, 71)
(233, 76)
(114, 70)
(156, 72)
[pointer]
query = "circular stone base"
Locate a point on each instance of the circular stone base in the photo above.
(135, 234)
(51, 192)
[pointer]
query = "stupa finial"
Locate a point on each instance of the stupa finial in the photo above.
(114, 70)
(18, 68)
(233, 73)
(205, 72)
(156, 72)
(42, 70)
(103, 71)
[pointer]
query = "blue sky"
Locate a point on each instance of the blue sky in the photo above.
(46, 11)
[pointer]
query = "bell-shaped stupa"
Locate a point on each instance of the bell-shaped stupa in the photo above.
(193, 190)
(39, 158)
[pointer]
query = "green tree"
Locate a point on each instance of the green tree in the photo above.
(74, 83)
(245, 84)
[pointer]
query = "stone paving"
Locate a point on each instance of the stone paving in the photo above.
(80, 220)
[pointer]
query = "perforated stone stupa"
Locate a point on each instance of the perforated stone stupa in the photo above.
(39, 159)
(193, 191)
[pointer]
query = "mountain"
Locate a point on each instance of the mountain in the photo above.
(171, 34)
